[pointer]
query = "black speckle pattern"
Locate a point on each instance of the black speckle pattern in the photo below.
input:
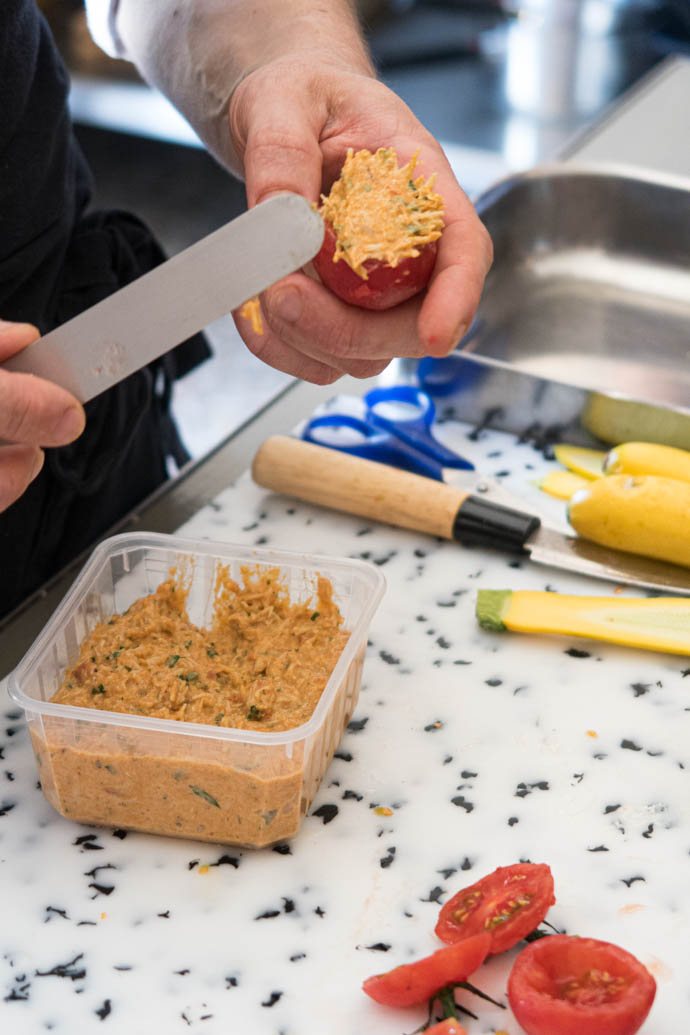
(327, 813)
(104, 1011)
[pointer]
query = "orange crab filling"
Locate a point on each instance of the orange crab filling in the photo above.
(380, 211)
(251, 310)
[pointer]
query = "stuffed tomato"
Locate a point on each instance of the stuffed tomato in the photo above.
(382, 228)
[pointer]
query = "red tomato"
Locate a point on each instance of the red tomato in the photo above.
(417, 982)
(509, 903)
(579, 986)
(448, 1027)
(385, 285)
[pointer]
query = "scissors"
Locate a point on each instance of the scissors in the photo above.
(395, 430)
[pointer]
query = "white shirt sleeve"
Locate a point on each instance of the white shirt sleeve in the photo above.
(100, 15)
(197, 51)
(180, 47)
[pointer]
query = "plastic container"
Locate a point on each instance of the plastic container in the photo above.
(186, 779)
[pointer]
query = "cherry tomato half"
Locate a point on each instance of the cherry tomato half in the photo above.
(413, 983)
(508, 903)
(579, 986)
(385, 285)
(448, 1027)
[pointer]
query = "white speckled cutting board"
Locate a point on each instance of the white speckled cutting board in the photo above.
(486, 749)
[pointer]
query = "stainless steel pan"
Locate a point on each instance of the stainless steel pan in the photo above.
(584, 325)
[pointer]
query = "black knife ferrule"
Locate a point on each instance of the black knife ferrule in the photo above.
(480, 522)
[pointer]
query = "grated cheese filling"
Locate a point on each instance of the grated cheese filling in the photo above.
(379, 211)
(251, 310)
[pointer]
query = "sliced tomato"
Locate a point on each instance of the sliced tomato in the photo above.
(385, 285)
(413, 983)
(508, 903)
(579, 986)
(448, 1027)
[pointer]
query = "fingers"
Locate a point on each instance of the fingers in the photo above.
(280, 356)
(292, 131)
(33, 412)
(321, 368)
(464, 258)
(280, 128)
(19, 465)
(307, 316)
(14, 337)
(36, 412)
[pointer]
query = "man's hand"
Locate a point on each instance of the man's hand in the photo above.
(278, 91)
(291, 123)
(33, 413)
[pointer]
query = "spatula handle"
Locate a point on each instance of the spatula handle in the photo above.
(373, 490)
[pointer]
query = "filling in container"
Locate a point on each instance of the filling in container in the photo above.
(241, 773)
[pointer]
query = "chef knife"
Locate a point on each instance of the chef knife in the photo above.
(374, 490)
(162, 308)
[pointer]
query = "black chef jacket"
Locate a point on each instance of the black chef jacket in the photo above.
(56, 259)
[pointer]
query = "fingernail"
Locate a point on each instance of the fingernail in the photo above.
(70, 425)
(286, 303)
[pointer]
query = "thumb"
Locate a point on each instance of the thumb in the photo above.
(282, 151)
(14, 337)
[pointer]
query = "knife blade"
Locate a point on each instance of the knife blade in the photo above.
(148, 317)
(375, 490)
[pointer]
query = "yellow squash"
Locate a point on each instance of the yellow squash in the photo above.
(589, 463)
(648, 458)
(662, 623)
(562, 484)
(641, 514)
(622, 420)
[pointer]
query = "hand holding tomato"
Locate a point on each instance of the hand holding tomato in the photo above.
(292, 120)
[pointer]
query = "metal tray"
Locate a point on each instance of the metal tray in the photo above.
(584, 325)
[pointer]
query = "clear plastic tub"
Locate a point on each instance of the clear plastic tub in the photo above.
(185, 779)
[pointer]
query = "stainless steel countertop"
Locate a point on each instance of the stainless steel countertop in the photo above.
(648, 127)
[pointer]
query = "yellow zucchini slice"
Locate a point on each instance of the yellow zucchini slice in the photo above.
(648, 458)
(622, 420)
(562, 484)
(641, 514)
(661, 623)
(589, 463)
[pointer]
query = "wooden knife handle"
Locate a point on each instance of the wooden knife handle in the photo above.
(349, 483)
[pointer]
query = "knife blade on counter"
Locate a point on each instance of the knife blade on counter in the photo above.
(375, 490)
(148, 317)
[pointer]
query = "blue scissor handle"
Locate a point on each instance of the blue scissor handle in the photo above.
(415, 430)
(376, 445)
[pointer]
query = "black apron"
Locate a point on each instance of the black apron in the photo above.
(55, 261)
